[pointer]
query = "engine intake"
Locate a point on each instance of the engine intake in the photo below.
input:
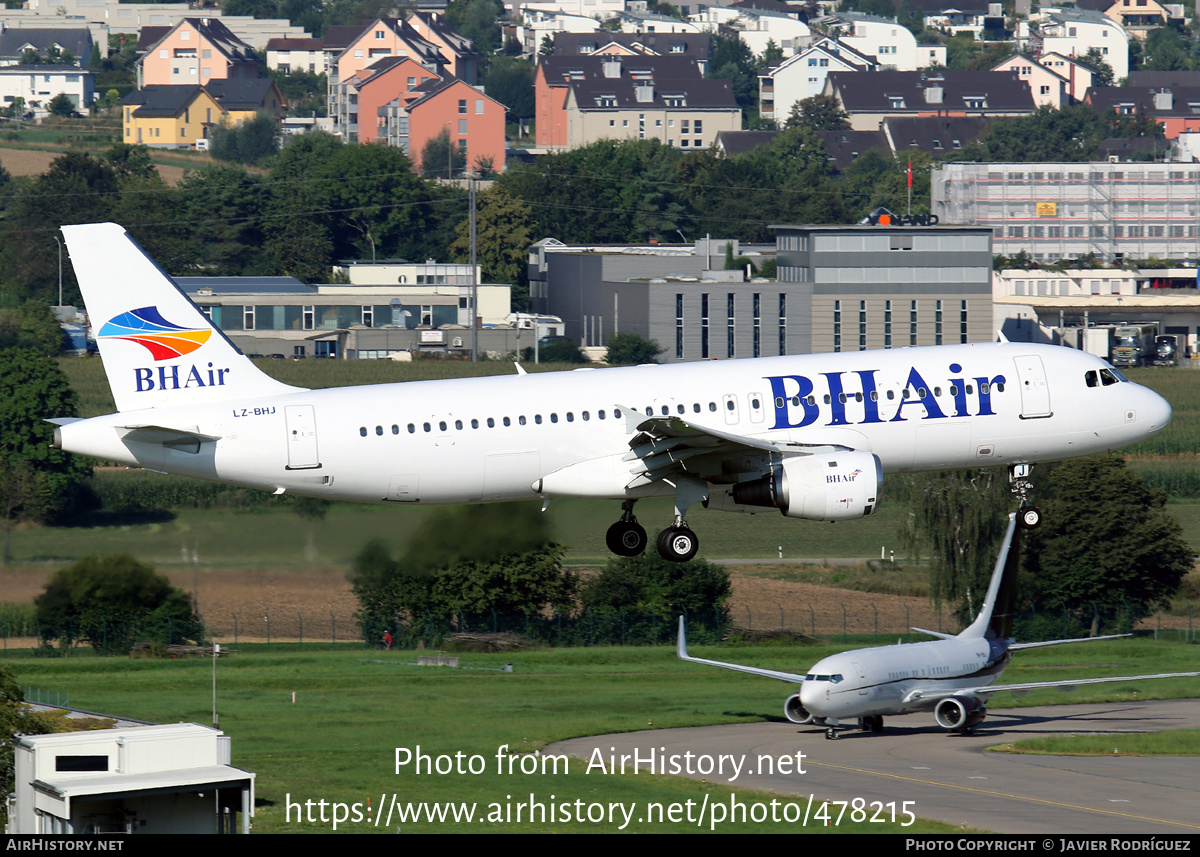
(795, 712)
(827, 486)
(960, 713)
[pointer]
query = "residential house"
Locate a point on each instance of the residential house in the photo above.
(648, 22)
(587, 98)
(172, 117)
(370, 89)
(1137, 17)
(177, 116)
(1079, 77)
(694, 46)
(474, 122)
(288, 55)
(1048, 87)
(892, 45)
(195, 51)
(1073, 32)
(868, 101)
(1175, 108)
(35, 86)
(759, 28)
(803, 75)
(385, 37)
(51, 44)
(462, 60)
(980, 18)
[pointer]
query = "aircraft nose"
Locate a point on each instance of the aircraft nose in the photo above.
(812, 697)
(1154, 412)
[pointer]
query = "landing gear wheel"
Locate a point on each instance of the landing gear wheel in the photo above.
(677, 544)
(626, 538)
(1030, 518)
(831, 734)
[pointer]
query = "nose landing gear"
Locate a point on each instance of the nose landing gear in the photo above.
(1028, 517)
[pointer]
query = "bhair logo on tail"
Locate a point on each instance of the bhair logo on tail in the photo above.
(115, 274)
(148, 328)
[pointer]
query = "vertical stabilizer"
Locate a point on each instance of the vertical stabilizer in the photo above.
(158, 348)
(995, 620)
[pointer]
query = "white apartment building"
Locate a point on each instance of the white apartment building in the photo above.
(891, 44)
(1117, 211)
(1073, 32)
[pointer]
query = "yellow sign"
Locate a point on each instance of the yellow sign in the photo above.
(1047, 209)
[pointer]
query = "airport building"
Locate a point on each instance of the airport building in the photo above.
(386, 307)
(175, 778)
(839, 288)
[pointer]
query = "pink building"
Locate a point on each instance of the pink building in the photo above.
(196, 51)
(388, 79)
(474, 121)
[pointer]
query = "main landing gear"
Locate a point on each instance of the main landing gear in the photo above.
(677, 543)
(1028, 517)
(626, 537)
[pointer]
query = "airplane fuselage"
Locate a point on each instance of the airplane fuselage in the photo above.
(488, 439)
(900, 679)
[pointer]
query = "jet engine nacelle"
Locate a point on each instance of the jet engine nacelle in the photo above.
(795, 712)
(826, 486)
(960, 713)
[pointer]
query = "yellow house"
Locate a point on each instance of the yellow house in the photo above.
(176, 117)
(169, 116)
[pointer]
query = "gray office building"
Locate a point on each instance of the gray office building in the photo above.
(874, 286)
(839, 288)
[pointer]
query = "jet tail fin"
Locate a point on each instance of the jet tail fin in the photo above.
(995, 619)
(158, 348)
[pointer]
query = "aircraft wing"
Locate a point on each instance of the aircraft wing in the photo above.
(984, 691)
(1021, 689)
(664, 444)
(791, 678)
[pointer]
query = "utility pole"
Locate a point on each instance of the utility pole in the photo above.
(474, 276)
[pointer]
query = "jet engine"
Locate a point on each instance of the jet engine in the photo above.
(795, 712)
(826, 486)
(960, 713)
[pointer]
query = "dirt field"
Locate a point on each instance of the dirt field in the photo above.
(322, 601)
(30, 162)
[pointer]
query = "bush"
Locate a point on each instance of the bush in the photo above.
(111, 602)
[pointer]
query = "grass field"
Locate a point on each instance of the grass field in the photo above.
(354, 707)
(1173, 742)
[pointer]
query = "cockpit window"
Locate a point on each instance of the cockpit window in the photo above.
(1120, 377)
(1091, 378)
(835, 679)
(1109, 377)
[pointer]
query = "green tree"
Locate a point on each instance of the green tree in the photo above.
(649, 582)
(503, 233)
(62, 105)
(772, 55)
(1102, 73)
(629, 349)
(441, 159)
(14, 720)
(556, 351)
(1106, 544)
(819, 112)
(476, 19)
(31, 326)
(509, 80)
(733, 60)
(77, 188)
(112, 601)
(957, 519)
(250, 143)
(32, 390)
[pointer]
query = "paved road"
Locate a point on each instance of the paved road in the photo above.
(953, 779)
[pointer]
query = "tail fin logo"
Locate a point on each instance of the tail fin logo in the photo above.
(147, 327)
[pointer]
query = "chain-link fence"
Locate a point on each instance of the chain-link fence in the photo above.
(831, 620)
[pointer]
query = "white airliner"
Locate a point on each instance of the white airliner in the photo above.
(811, 436)
(952, 676)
